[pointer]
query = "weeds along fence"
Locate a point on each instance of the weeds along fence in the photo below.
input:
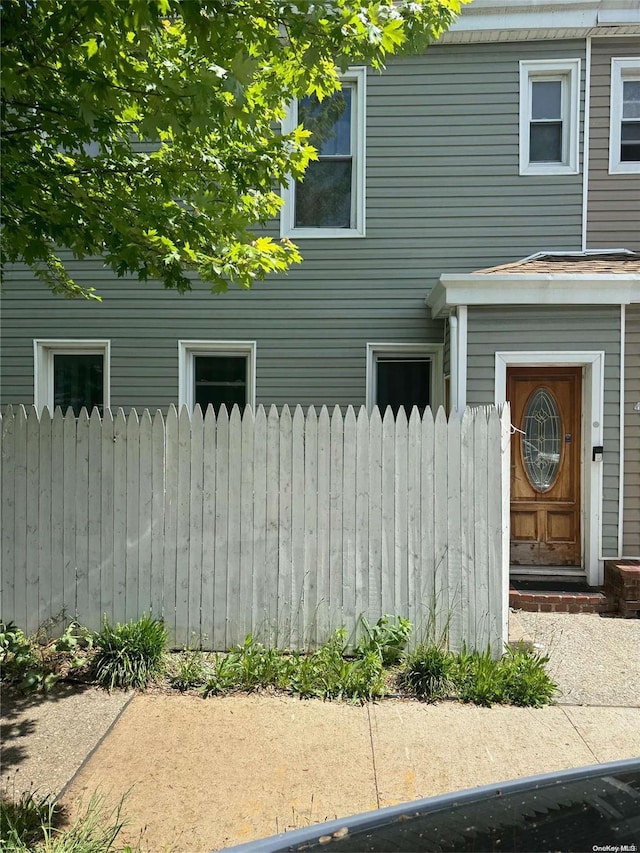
(285, 525)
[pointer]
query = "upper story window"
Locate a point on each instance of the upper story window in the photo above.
(624, 136)
(549, 112)
(71, 373)
(216, 373)
(404, 375)
(330, 201)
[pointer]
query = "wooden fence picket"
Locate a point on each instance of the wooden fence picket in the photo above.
(282, 524)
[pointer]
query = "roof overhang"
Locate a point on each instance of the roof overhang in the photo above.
(492, 20)
(513, 289)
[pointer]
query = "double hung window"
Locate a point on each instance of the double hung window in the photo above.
(549, 109)
(329, 201)
(216, 373)
(71, 374)
(624, 136)
(404, 376)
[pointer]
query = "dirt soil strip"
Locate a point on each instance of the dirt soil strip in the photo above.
(205, 774)
(45, 739)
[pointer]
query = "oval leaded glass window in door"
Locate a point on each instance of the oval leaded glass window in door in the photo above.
(541, 442)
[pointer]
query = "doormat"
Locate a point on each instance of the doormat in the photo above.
(568, 587)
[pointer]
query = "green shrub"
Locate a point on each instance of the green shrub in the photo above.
(386, 639)
(478, 678)
(525, 680)
(22, 663)
(428, 673)
(224, 675)
(129, 655)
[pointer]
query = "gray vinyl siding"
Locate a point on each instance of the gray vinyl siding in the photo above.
(613, 210)
(555, 329)
(443, 195)
(631, 520)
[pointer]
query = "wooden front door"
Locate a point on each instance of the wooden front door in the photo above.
(545, 465)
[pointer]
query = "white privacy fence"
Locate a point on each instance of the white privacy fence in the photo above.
(284, 525)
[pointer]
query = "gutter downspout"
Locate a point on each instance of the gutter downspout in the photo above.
(461, 397)
(453, 360)
(586, 142)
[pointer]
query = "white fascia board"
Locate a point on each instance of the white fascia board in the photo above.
(531, 289)
(576, 17)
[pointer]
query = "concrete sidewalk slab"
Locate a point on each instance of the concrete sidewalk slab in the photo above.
(46, 737)
(206, 774)
(423, 750)
(610, 733)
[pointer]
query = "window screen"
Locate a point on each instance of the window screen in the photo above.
(402, 381)
(220, 379)
(78, 380)
(545, 141)
(324, 198)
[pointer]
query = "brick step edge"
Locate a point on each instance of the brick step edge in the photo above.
(560, 602)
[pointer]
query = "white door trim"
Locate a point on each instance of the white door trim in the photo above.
(592, 436)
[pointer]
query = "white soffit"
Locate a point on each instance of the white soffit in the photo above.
(499, 20)
(531, 289)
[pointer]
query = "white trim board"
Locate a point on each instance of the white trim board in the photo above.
(592, 435)
(434, 351)
(187, 349)
(43, 351)
(531, 289)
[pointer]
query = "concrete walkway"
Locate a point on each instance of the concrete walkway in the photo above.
(204, 775)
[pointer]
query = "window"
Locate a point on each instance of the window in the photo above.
(216, 373)
(549, 110)
(404, 375)
(71, 373)
(624, 137)
(329, 202)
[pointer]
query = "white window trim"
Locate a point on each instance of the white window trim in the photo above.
(553, 68)
(358, 76)
(43, 351)
(621, 69)
(186, 373)
(433, 351)
(591, 475)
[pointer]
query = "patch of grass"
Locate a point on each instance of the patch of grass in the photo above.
(129, 655)
(326, 673)
(22, 821)
(428, 673)
(478, 678)
(191, 672)
(31, 825)
(525, 680)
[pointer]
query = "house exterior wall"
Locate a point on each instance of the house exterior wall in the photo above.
(631, 520)
(555, 329)
(443, 195)
(613, 201)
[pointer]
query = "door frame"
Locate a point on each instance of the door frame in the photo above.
(592, 429)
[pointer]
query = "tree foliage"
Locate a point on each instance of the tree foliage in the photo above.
(147, 131)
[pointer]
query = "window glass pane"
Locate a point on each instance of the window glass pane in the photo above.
(323, 199)
(630, 142)
(631, 99)
(220, 379)
(545, 142)
(329, 122)
(403, 382)
(78, 380)
(546, 99)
